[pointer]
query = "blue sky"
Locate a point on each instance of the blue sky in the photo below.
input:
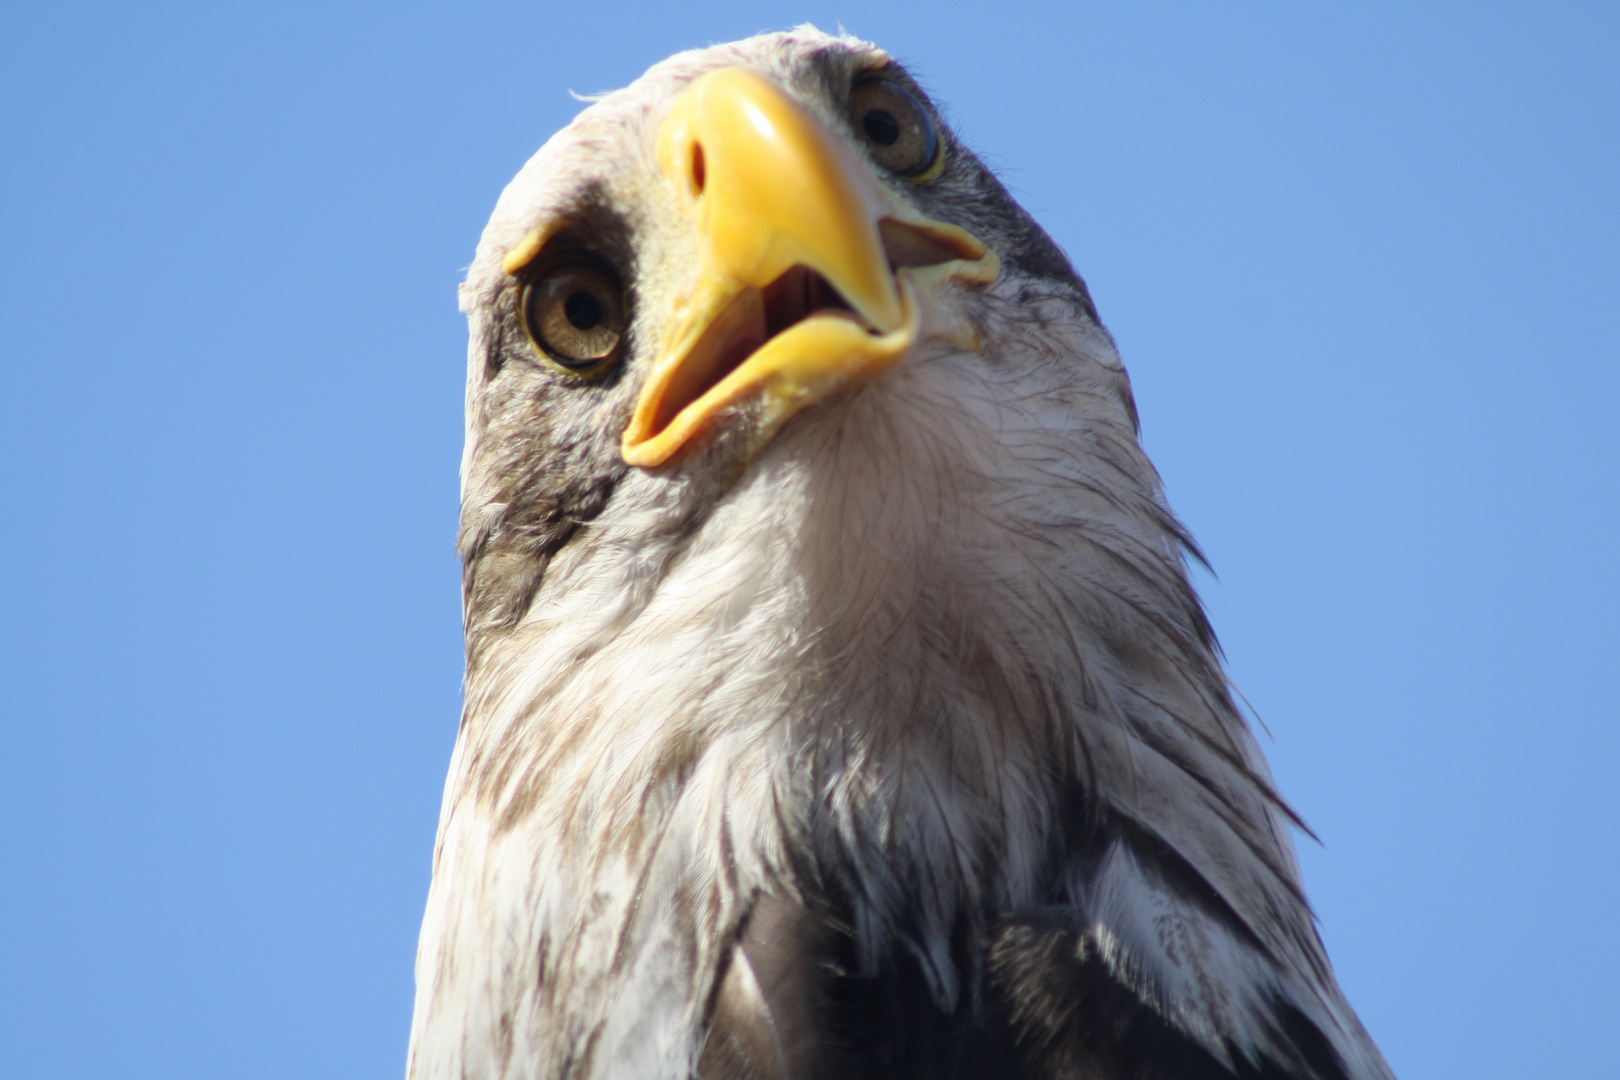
(1362, 264)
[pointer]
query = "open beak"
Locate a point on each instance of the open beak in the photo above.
(807, 280)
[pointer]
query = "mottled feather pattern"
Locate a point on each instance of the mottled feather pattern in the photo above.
(922, 693)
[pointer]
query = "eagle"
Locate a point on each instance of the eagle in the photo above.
(837, 702)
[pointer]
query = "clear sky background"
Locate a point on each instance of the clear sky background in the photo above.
(1363, 262)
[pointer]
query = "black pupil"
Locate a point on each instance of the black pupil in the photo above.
(584, 311)
(881, 127)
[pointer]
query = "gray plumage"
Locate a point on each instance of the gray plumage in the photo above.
(890, 743)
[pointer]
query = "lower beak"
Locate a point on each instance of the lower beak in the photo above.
(806, 283)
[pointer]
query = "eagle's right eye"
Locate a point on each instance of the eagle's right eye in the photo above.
(896, 128)
(574, 313)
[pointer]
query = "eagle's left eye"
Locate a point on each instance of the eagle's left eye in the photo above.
(895, 127)
(574, 313)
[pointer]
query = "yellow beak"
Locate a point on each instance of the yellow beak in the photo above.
(797, 294)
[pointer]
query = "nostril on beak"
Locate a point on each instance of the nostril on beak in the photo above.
(698, 170)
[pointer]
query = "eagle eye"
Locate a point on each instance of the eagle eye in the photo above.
(574, 313)
(896, 128)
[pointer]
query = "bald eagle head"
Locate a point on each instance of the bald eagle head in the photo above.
(836, 698)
